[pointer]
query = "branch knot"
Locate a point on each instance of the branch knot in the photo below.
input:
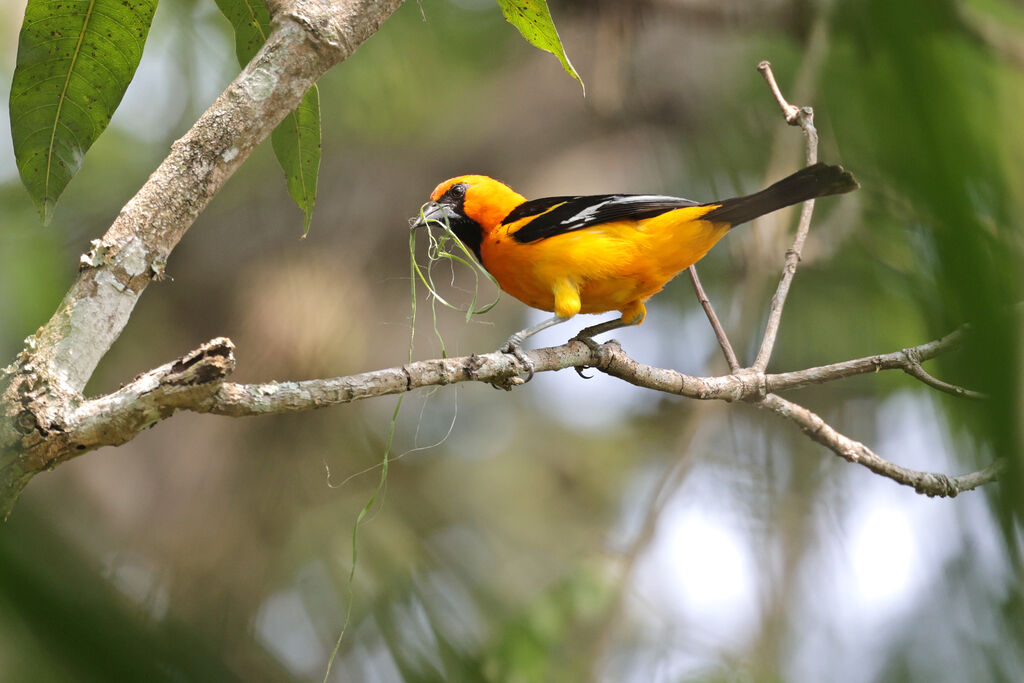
(753, 384)
(936, 484)
(211, 362)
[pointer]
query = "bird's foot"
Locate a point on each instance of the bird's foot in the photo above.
(593, 346)
(514, 346)
(589, 341)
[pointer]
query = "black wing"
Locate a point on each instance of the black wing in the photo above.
(557, 215)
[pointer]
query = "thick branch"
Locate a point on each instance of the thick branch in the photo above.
(116, 418)
(40, 392)
(307, 39)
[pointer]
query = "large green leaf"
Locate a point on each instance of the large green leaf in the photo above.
(533, 20)
(75, 60)
(296, 139)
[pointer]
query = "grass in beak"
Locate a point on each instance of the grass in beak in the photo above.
(443, 247)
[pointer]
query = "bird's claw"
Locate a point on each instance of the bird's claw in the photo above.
(589, 341)
(593, 346)
(516, 350)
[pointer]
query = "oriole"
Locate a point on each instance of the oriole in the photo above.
(599, 253)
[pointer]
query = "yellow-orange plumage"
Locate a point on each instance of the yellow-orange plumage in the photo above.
(601, 253)
(610, 267)
(613, 266)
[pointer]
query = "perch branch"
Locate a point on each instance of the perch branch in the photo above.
(195, 382)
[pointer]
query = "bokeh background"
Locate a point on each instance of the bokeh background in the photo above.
(570, 530)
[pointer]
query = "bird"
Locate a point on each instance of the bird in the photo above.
(599, 253)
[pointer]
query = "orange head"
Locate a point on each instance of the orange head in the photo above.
(474, 205)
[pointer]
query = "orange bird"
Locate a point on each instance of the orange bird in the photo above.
(600, 253)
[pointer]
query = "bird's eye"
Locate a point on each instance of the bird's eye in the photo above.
(459, 191)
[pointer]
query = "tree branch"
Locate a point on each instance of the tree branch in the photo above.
(195, 382)
(914, 369)
(40, 390)
(117, 418)
(902, 360)
(854, 451)
(803, 117)
(716, 324)
(306, 40)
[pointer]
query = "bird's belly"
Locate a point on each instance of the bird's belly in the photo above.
(602, 287)
(610, 268)
(613, 293)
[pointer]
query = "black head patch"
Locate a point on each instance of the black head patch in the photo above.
(469, 232)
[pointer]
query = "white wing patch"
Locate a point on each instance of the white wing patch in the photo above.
(588, 213)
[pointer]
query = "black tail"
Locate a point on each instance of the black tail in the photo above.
(818, 180)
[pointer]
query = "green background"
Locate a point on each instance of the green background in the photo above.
(570, 530)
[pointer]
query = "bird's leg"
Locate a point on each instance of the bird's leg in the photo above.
(514, 344)
(633, 314)
(586, 335)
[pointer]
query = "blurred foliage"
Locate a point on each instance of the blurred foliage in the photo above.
(68, 621)
(569, 530)
(946, 151)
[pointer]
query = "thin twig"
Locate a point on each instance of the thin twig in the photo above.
(773, 233)
(716, 325)
(897, 360)
(803, 117)
(790, 111)
(914, 369)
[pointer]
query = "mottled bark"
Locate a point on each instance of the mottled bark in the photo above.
(41, 390)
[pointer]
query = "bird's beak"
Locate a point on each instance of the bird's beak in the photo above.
(432, 211)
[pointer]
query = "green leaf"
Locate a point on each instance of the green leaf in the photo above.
(533, 20)
(251, 22)
(75, 60)
(296, 140)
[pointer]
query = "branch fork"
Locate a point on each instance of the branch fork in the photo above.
(909, 360)
(44, 387)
